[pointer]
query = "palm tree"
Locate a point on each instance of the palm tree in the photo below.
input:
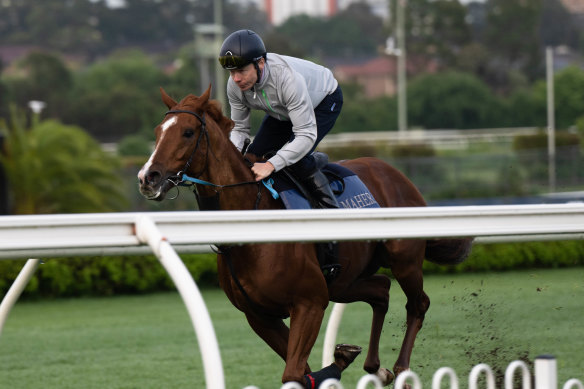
(54, 168)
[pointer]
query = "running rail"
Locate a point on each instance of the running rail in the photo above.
(115, 233)
(141, 233)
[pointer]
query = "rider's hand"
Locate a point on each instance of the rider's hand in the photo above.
(262, 170)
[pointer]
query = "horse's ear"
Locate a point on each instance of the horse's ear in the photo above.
(205, 96)
(166, 99)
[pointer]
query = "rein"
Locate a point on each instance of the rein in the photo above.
(182, 179)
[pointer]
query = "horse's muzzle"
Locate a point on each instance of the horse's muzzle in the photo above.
(152, 185)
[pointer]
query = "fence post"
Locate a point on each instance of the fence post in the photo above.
(16, 289)
(474, 376)
(292, 385)
(440, 373)
(573, 382)
(369, 379)
(330, 337)
(510, 371)
(331, 383)
(149, 233)
(400, 382)
(546, 373)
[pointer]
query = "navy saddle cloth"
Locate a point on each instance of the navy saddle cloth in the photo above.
(348, 188)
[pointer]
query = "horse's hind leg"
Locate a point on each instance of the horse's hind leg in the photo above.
(408, 273)
(373, 290)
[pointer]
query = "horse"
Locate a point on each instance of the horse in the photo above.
(269, 282)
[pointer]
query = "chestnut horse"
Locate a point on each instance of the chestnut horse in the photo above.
(269, 282)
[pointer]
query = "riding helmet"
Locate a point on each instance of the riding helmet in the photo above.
(240, 49)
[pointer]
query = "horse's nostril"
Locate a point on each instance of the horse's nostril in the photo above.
(153, 178)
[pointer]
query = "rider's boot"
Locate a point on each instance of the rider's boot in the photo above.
(318, 185)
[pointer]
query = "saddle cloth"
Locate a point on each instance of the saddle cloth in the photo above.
(348, 188)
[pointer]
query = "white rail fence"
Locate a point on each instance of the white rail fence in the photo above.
(545, 377)
(167, 233)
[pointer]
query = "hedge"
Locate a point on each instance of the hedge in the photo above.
(106, 276)
(517, 256)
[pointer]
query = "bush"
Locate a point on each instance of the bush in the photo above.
(540, 140)
(106, 276)
(134, 145)
(517, 256)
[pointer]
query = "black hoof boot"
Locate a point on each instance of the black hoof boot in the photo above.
(345, 354)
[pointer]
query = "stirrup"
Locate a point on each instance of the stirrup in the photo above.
(331, 271)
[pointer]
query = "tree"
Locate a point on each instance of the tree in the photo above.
(118, 96)
(557, 26)
(43, 77)
(359, 114)
(568, 93)
(512, 36)
(450, 100)
(352, 32)
(4, 97)
(52, 168)
(436, 29)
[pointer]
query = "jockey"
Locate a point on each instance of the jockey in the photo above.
(301, 99)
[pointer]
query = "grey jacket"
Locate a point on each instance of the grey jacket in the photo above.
(289, 89)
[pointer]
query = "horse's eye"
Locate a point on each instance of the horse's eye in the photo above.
(188, 133)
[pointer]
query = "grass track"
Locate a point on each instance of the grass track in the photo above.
(148, 342)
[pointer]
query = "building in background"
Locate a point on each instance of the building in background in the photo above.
(280, 10)
(378, 76)
(574, 6)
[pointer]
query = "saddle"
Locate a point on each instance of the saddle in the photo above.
(349, 190)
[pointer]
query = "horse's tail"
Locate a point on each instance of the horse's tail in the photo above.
(448, 251)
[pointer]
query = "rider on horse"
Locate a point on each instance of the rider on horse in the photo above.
(301, 99)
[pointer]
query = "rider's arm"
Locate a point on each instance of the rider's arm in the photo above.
(295, 97)
(240, 114)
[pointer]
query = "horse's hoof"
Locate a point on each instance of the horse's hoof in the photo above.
(385, 376)
(345, 354)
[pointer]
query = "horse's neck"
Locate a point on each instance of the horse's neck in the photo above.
(225, 166)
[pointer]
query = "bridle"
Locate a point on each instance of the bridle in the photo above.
(182, 179)
(177, 179)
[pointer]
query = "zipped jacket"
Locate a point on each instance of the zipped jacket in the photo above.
(289, 89)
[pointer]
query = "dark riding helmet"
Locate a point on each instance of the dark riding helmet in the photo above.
(240, 49)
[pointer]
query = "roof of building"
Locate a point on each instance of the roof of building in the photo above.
(574, 6)
(375, 66)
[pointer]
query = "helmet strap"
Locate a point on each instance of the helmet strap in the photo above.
(257, 67)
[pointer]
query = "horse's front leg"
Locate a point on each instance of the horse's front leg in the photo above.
(274, 332)
(305, 320)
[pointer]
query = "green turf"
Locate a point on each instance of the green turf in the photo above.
(148, 341)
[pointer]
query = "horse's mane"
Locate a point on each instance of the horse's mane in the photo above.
(213, 109)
